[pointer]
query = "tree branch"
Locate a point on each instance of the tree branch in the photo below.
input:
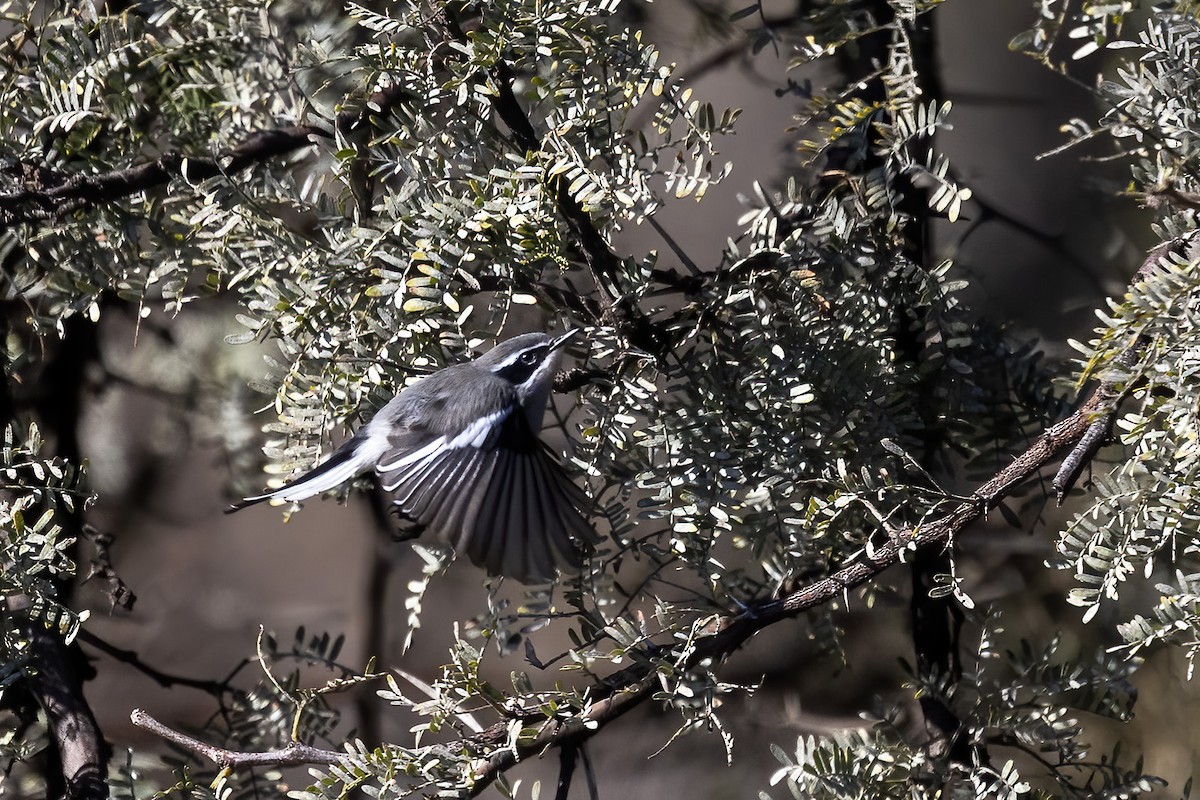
(33, 203)
(295, 754)
(601, 260)
(632, 686)
(568, 756)
(54, 680)
(215, 688)
(45, 195)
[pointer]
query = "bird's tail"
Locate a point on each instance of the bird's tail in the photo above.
(352, 458)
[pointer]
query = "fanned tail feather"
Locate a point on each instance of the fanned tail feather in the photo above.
(352, 458)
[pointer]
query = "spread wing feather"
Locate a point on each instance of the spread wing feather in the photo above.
(496, 495)
(563, 495)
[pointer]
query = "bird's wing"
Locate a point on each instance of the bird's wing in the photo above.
(492, 491)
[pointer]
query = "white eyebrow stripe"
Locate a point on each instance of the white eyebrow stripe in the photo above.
(509, 361)
(540, 372)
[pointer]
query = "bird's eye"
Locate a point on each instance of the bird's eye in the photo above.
(529, 358)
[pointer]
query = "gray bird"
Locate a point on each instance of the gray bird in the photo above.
(459, 452)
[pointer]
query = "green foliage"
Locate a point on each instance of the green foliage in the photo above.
(1025, 702)
(34, 553)
(805, 396)
(1176, 619)
(103, 92)
(848, 764)
(1145, 511)
(35, 493)
(1148, 504)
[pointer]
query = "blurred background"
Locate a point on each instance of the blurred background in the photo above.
(1042, 247)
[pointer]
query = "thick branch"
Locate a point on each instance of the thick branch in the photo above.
(82, 751)
(295, 754)
(35, 203)
(630, 687)
(58, 669)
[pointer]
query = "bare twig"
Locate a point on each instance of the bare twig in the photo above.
(675, 246)
(293, 755)
(119, 594)
(739, 47)
(590, 774)
(166, 680)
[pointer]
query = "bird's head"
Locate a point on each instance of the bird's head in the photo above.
(528, 362)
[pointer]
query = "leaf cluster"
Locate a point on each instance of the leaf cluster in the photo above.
(36, 492)
(1144, 514)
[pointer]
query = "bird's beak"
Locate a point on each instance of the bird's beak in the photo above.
(561, 340)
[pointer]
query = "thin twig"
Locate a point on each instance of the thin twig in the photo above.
(676, 248)
(732, 50)
(163, 679)
(589, 773)
(293, 755)
(119, 594)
